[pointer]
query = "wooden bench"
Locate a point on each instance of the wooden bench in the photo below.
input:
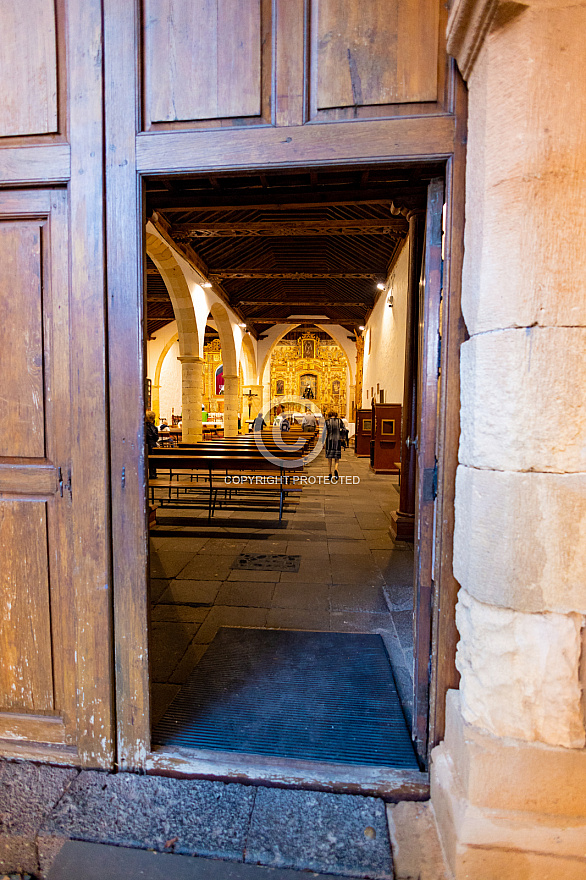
(220, 472)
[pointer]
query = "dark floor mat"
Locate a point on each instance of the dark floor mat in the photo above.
(307, 695)
(266, 562)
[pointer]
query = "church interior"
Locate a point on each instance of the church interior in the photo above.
(302, 284)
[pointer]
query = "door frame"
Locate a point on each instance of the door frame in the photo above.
(131, 156)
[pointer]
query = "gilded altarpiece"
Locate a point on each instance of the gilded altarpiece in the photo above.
(212, 381)
(309, 367)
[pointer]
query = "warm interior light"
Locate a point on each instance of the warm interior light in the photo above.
(380, 285)
(206, 283)
(361, 328)
(243, 326)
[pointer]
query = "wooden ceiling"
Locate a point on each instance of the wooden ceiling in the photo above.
(282, 244)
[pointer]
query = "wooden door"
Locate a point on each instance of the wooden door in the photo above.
(297, 84)
(55, 594)
(430, 294)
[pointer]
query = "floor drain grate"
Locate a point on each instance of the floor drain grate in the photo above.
(266, 562)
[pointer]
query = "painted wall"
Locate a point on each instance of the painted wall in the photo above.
(384, 348)
(170, 390)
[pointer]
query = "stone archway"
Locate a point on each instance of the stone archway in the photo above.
(230, 364)
(191, 362)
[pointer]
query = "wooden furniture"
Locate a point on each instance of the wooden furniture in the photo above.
(363, 434)
(385, 443)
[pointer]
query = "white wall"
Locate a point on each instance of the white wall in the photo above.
(170, 390)
(385, 365)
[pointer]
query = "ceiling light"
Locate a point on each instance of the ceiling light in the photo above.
(206, 283)
(243, 326)
(380, 286)
(361, 327)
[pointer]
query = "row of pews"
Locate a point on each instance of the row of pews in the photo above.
(247, 470)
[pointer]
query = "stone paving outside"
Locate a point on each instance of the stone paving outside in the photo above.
(351, 577)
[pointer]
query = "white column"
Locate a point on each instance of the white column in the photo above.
(231, 402)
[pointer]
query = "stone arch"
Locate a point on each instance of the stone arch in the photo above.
(191, 362)
(157, 375)
(230, 364)
(248, 357)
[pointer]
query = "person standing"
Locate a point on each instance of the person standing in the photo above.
(151, 435)
(334, 428)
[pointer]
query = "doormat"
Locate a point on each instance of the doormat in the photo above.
(266, 562)
(308, 695)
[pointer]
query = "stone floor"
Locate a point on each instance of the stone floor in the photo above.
(217, 825)
(351, 577)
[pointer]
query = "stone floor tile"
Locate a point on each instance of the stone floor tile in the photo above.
(199, 817)
(310, 547)
(222, 547)
(270, 546)
(168, 643)
(399, 597)
(316, 831)
(396, 566)
(222, 615)
(357, 597)
(188, 592)
(187, 663)
(157, 587)
(316, 571)
(178, 544)
(358, 621)
(372, 520)
(168, 563)
(254, 576)
(415, 842)
(295, 618)
(28, 792)
(176, 613)
(343, 530)
(347, 546)
(302, 596)
(354, 569)
(162, 695)
(208, 568)
(378, 539)
(246, 594)
(403, 622)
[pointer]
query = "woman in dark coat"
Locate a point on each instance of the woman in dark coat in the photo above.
(334, 429)
(151, 439)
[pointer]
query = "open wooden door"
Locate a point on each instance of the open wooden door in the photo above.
(430, 295)
(55, 645)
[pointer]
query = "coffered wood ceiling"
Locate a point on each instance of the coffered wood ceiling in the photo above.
(281, 244)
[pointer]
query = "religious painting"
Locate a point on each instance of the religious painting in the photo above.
(336, 386)
(220, 379)
(280, 386)
(308, 350)
(308, 386)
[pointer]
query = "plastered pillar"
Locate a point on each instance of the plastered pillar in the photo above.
(231, 406)
(191, 374)
(508, 782)
(155, 401)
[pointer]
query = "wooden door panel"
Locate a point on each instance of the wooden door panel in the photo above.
(28, 68)
(202, 59)
(26, 680)
(374, 52)
(37, 674)
(22, 429)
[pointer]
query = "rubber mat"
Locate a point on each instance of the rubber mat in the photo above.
(307, 695)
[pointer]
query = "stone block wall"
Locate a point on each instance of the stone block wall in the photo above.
(521, 484)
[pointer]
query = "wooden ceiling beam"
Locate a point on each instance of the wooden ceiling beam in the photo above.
(325, 303)
(290, 276)
(392, 226)
(281, 199)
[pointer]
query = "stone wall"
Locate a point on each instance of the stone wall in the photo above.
(521, 485)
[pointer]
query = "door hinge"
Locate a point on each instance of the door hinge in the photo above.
(429, 484)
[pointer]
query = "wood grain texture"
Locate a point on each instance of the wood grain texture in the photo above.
(26, 671)
(453, 332)
(45, 164)
(202, 59)
(375, 52)
(392, 140)
(290, 66)
(28, 68)
(30, 478)
(124, 227)
(90, 559)
(22, 409)
(392, 785)
(40, 728)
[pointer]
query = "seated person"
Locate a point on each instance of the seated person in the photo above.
(259, 423)
(309, 422)
(164, 425)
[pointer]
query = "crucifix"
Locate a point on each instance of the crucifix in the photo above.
(250, 395)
